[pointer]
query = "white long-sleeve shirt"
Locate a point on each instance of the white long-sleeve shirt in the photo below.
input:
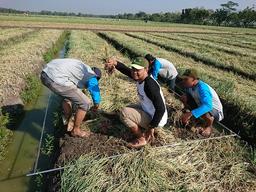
(164, 68)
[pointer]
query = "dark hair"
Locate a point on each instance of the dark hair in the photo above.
(150, 57)
(97, 71)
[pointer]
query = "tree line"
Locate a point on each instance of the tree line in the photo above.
(226, 15)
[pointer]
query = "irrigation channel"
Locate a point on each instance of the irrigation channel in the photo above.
(24, 153)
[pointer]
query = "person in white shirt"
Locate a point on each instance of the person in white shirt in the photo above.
(202, 100)
(163, 68)
(151, 111)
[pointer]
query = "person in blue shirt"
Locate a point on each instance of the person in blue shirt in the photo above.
(202, 101)
(68, 78)
(162, 68)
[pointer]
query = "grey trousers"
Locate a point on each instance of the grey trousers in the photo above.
(71, 93)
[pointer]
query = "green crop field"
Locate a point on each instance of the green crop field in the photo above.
(68, 22)
(224, 57)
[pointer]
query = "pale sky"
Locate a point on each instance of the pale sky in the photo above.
(116, 6)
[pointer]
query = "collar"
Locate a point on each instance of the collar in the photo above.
(195, 86)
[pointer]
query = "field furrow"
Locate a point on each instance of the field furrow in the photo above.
(221, 39)
(243, 39)
(238, 94)
(22, 59)
(152, 165)
(232, 50)
(245, 67)
(7, 34)
(15, 37)
(6, 31)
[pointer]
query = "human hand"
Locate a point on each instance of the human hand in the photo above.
(186, 117)
(184, 99)
(95, 108)
(110, 65)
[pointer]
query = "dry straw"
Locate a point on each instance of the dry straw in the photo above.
(204, 165)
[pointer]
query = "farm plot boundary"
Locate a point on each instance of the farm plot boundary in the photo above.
(95, 29)
(197, 57)
(232, 108)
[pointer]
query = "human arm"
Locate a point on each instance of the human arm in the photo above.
(205, 100)
(112, 62)
(153, 92)
(94, 90)
(155, 69)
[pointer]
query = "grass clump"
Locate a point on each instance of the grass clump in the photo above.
(33, 84)
(216, 165)
(32, 89)
(54, 50)
(5, 134)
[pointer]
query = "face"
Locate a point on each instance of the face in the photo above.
(139, 74)
(110, 62)
(151, 62)
(189, 82)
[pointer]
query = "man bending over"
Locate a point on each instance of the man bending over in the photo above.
(202, 101)
(67, 77)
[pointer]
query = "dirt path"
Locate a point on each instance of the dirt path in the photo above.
(109, 28)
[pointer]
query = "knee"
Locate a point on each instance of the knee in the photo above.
(123, 113)
(126, 118)
(85, 105)
(207, 117)
(66, 102)
(184, 99)
(183, 119)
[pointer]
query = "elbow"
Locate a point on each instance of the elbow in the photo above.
(209, 107)
(161, 112)
(97, 101)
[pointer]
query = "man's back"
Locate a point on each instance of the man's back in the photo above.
(68, 71)
(167, 65)
(195, 93)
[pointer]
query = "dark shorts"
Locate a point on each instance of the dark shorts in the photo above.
(71, 93)
(170, 82)
(193, 105)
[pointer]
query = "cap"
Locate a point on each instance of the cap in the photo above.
(97, 71)
(190, 73)
(139, 63)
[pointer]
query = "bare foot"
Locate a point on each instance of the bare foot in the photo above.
(70, 125)
(137, 143)
(80, 133)
(206, 132)
(149, 135)
(64, 120)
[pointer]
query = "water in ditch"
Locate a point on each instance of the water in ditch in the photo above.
(22, 152)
